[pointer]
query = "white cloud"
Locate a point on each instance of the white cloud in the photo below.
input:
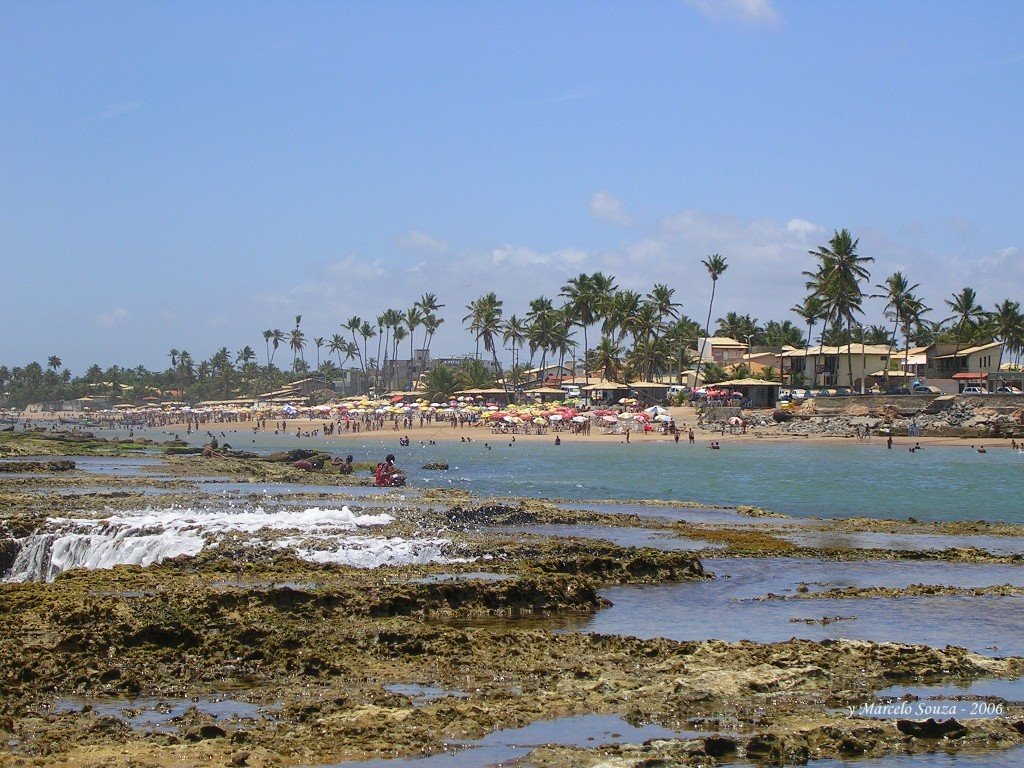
(113, 319)
(356, 268)
(417, 240)
(803, 228)
(117, 110)
(748, 11)
(526, 257)
(605, 207)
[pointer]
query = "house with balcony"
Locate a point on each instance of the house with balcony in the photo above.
(719, 349)
(851, 366)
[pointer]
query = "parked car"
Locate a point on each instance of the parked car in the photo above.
(798, 394)
(926, 389)
(899, 391)
(1008, 391)
(974, 391)
(842, 392)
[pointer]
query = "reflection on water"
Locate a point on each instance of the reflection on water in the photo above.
(824, 538)
(423, 694)
(505, 745)
(155, 714)
(1010, 758)
(725, 608)
(1010, 690)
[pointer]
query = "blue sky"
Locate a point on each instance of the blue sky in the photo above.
(188, 174)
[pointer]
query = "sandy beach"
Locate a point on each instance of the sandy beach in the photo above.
(684, 417)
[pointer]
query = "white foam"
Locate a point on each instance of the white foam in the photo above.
(151, 535)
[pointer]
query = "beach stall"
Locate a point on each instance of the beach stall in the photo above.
(650, 392)
(545, 394)
(755, 393)
(606, 392)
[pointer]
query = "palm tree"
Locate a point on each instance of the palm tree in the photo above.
(390, 321)
(54, 363)
(514, 333)
(366, 332)
(541, 334)
(245, 355)
(354, 325)
(897, 292)
(620, 310)
(431, 324)
(428, 305)
(716, 265)
(608, 359)
(840, 272)
(413, 319)
(336, 346)
(587, 300)
(485, 323)
(297, 341)
(173, 354)
(318, 342)
(441, 383)
(668, 310)
(967, 313)
(1007, 324)
(276, 337)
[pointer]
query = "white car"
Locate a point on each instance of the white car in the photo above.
(974, 391)
(1008, 391)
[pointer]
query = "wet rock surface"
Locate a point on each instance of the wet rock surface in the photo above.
(327, 662)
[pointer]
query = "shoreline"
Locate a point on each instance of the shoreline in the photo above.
(685, 417)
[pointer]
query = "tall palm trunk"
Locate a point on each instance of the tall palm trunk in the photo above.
(888, 355)
(849, 346)
(707, 329)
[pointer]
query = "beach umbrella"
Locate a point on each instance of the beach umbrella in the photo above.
(609, 419)
(663, 417)
(437, 405)
(655, 410)
(735, 421)
(579, 419)
(539, 420)
(556, 417)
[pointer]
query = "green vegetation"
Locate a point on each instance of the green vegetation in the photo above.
(640, 337)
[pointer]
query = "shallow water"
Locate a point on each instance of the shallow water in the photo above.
(864, 479)
(724, 608)
(445, 578)
(154, 714)
(283, 489)
(423, 694)
(623, 537)
(1010, 690)
(824, 538)
(1010, 758)
(707, 516)
(502, 746)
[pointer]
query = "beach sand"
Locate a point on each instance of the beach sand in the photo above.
(684, 416)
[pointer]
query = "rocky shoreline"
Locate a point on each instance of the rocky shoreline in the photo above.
(250, 654)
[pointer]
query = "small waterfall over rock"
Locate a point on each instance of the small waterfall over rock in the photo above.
(152, 535)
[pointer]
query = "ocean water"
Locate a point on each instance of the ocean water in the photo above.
(948, 483)
(799, 479)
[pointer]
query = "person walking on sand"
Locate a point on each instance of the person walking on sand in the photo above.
(690, 435)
